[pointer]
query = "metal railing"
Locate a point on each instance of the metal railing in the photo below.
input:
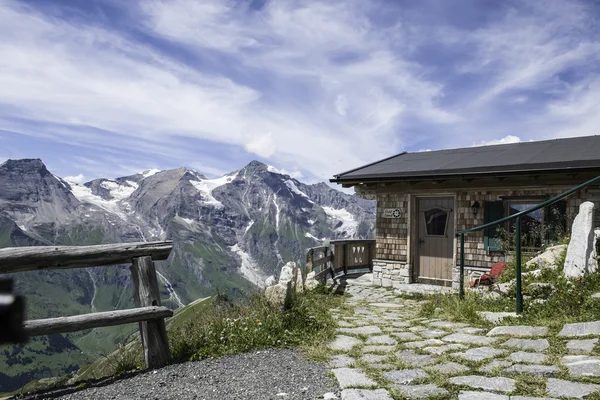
(517, 218)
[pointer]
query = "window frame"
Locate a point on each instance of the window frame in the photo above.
(448, 211)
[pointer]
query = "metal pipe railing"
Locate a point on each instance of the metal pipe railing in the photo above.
(517, 217)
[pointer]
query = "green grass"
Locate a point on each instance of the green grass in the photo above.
(567, 301)
(236, 328)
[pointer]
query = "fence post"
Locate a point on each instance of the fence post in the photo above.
(146, 294)
(346, 256)
(309, 261)
(518, 266)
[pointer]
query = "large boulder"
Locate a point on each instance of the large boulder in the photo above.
(279, 295)
(581, 253)
(548, 259)
(310, 282)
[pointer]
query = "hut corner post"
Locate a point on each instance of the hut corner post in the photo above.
(145, 294)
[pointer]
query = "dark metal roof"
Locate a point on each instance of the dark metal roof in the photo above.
(576, 153)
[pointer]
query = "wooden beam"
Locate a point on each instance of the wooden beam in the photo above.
(20, 259)
(322, 261)
(146, 294)
(96, 320)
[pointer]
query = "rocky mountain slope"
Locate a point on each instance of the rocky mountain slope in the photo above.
(229, 233)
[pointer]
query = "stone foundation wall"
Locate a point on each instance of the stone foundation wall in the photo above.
(388, 273)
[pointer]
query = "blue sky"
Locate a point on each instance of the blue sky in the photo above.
(107, 88)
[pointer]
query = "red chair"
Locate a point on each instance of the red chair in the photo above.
(489, 279)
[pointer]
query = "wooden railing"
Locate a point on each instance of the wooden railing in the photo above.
(341, 256)
(146, 296)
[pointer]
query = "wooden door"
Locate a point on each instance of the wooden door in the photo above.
(435, 240)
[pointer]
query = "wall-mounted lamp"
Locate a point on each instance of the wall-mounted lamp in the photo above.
(475, 208)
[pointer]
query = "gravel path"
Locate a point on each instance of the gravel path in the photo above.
(271, 374)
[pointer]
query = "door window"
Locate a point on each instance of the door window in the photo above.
(436, 221)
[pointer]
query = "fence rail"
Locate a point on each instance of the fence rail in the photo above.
(148, 312)
(342, 256)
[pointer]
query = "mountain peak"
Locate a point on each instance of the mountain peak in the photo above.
(25, 166)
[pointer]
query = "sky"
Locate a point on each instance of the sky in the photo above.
(107, 88)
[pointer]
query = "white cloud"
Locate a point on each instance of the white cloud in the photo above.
(341, 104)
(262, 145)
(505, 140)
(79, 179)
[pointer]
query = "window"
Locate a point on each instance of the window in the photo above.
(538, 228)
(436, 220)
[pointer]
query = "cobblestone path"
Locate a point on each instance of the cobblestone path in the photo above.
(384, 351)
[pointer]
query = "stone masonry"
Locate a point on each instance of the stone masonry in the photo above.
(388, 273)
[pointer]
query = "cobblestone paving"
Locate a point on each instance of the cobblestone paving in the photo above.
(385, 351)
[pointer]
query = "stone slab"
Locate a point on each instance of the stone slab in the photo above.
(344, 343)
(421, 391)
(469, 339)
(470, 395)
(362, 330)
(405, 376)
(349, 377)
(450, 368)
(519, 330)
(400, 324)
(497, 384)
(533, 358)
(581, 346)
(366, 394)
(530, 398)
(562, 388)
(378, 349)
(495, 365)
(373, 358)
(495, 317)
(382, 339)
(582, 365)
(478, 353)
(386, 305)
(438, 350)
(470, 330)
(423, 343)
(344, 324)
(413, 359)
(581, 329)
(448, 324)
(405, 336)
(417, 329)
(433, 333)
(527, 344)
(341, 361)
(541, 371)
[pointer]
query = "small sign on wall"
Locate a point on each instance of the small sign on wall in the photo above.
(393, 212)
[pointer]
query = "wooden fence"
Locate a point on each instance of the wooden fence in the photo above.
(340, 256)
(148, 311)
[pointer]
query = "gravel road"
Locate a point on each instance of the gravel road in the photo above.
(271, 374)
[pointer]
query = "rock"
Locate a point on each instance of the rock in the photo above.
(450, 368)
(365, 394)
(384, 339)
(435, 333)
(527, 344)
(310, 283)
(469, 339)
(495, 317)
(299, 284)
(448, 324)
(421, 391)
(533, 358)
(341, 361)
(519, 330)
(378, 349)
(581, 253)
(362, 330)
(438, 350)
(469, 395)
(495, 365)
(581, 329)
(270, 281)
(541, 371)
(582, 365)
(548, 258)
(470, 331)
(344, 343)
(423, 343)
(348, 377)
(497, 384)
(561, 388)
(413, 359)
(581, 346)
(288, 272)
(279, 295)
(405, 376)
(405, 336)
(478, 353)
(373, 358)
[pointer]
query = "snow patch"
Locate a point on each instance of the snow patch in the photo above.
(188, 221)
(295, 174)
(206, 186)
(248, 268)
(349, 224)
(149, 172)
(294, 189)
(248, 227)
(308, 235)
(120, 191)
(312, 221)
(85, 195)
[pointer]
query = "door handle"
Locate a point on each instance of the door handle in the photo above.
(421, 241)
